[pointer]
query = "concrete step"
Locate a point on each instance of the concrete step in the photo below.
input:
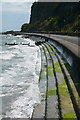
(59, 96)
(73, 94)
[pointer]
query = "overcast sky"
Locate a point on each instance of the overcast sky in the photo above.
(14, 13)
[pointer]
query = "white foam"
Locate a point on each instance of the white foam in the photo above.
(24, 105)
(19, 36)
(23, 73)
(6, 56)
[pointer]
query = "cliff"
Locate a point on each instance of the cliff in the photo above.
(54, 16)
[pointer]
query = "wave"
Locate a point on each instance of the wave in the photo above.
(6, 56)
(20, 81)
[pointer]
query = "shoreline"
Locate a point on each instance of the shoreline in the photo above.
(73, 48)
(77, 34)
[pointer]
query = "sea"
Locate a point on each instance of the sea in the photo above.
(19, 75)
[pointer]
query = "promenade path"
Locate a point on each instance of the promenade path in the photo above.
(70, 42)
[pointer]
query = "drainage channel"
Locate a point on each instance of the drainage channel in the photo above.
(59, 97)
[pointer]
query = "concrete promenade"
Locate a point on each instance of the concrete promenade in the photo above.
(70, 42)
(59, 92)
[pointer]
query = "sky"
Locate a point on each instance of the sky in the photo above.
(14, 13)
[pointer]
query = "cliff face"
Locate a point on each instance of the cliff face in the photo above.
(54, 16)
(43, 10)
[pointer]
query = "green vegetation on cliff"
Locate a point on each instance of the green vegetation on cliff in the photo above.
(54, 17)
